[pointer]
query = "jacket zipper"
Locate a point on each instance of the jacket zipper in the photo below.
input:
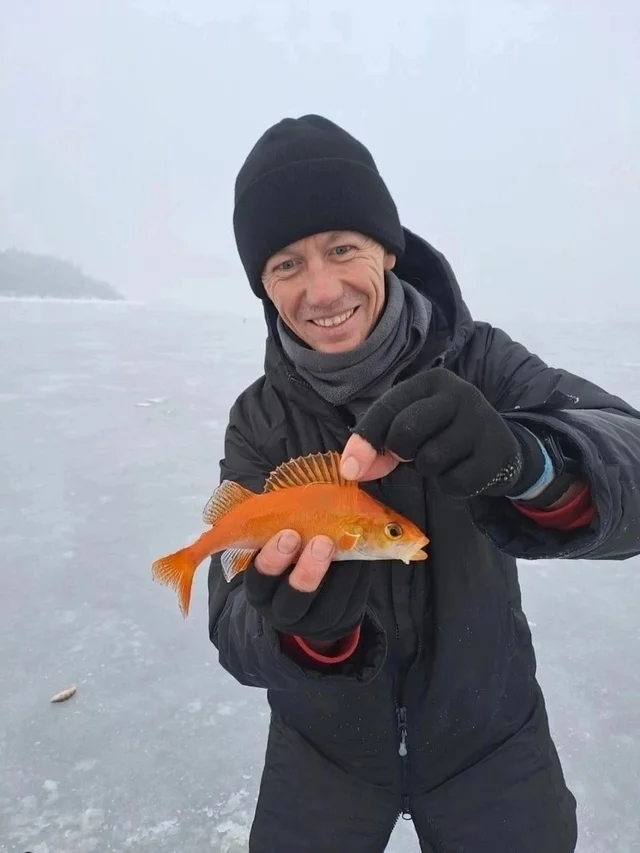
(403, 752)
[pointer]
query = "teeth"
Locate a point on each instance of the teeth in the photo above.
(326, 322)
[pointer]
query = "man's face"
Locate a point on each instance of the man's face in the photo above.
(329, 288)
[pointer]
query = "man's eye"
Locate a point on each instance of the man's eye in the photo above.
(286, 265)
(342, 250)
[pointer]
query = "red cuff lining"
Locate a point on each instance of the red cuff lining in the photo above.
(582, 520)
(344, 649)
(578, 512)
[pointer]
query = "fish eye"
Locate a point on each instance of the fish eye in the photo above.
(393, 530)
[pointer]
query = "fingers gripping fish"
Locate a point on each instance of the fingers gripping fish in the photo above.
(307, 494)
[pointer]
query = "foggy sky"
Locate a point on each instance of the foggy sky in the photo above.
(508, 133)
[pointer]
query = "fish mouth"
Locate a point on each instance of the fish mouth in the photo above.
(418, 556)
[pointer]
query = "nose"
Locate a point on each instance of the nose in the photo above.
(322, 287)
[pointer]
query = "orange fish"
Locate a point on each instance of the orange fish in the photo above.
(307, 494)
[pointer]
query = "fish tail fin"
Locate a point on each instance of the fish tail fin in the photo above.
(177, 570)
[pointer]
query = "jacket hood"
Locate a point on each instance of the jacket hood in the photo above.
(430, 273)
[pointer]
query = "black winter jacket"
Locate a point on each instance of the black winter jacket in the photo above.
(445, 662)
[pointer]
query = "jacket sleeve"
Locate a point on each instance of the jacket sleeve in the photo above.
(601, 430)
(249, 648)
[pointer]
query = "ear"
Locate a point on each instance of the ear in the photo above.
(389, 261)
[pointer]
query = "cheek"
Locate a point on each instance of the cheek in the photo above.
(377, 546)
(283, 298)
(371, 284)
(379, 289)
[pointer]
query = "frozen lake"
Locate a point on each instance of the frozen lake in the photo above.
(111, 426)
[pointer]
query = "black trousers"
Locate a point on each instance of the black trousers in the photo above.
(513, 801)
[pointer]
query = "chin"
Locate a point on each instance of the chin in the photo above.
(338, 346)
(339, 342)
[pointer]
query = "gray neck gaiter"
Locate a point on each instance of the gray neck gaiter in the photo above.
(367, 371)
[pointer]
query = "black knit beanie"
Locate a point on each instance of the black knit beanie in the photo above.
(304, 176)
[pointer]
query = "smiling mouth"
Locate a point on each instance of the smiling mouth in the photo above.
(333, 322)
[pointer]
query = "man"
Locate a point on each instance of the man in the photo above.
(403, 689)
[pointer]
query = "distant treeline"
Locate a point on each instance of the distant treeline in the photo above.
(26, 274)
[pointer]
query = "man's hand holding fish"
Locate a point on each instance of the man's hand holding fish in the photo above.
(309, 601)
(446, 428)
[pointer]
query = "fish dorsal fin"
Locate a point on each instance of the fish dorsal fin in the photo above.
(305, 470)
(226, 497)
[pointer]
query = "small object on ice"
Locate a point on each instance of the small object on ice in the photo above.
(63, 695)
(152, 400)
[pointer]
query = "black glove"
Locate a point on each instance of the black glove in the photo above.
(452, 434)
(334, 610)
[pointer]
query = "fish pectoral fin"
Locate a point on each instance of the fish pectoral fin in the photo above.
(236, 560)
(347, 541)
(306, 470)
(226, 497)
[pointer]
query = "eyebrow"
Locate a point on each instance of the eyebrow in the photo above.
(287, 252)
(283, 253)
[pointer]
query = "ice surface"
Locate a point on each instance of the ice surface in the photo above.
(111, 426)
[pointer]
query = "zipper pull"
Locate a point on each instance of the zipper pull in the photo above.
(402, 727)
(406, 808)
(402, 749)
